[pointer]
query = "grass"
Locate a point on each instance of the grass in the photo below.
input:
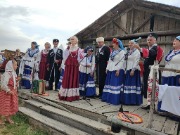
(21, 127)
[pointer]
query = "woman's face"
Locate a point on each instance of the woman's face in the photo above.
(47, 46)
(114, 45)
(73, 40)
(15, 65)
(33, 46)
(176, 44)
(131, 44)
(89, 52)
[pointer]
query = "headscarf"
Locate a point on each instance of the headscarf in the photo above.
(119, 43)
(9, 68)
(36, 45)
(178, 38)
(135, 40)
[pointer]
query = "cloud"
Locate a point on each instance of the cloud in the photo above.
(13, 11)
(25, 21)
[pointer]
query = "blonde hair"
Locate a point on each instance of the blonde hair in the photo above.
(47, 43)
(74, 38)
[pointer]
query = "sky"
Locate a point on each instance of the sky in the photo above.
(24, 21)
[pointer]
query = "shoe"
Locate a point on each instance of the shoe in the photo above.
(147, 107)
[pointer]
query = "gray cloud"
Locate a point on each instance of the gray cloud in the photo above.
(13, 11)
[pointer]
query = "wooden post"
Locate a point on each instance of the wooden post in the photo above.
(152, 106)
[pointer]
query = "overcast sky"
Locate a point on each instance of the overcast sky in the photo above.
(24, 21)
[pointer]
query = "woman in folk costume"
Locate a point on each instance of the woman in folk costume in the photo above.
(115, 74)
(28, 64)
(132, 87)
(43, 62)
(172, 60)
(8, 93)
(86, 77)
(69, 90)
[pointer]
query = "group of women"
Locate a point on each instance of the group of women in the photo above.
(123, 81)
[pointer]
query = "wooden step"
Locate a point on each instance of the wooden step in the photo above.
(77, 121)
(53, 127)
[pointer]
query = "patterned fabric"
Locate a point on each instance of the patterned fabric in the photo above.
(89, 82)
(70, 83)
(9, 103)
(113, 87)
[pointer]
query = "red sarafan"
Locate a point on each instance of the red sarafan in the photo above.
(9, 102)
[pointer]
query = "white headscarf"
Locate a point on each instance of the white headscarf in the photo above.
(9, 68)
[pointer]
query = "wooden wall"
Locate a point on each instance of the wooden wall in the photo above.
(134, 21)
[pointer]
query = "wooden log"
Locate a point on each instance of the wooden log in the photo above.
(152, 106)
(143, 35)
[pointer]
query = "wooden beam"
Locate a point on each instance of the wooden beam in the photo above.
(136, 35)
(142, 24)
(119, 26)
(132, 21)
(158, 12)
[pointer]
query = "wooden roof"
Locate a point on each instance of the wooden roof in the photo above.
(125, 6)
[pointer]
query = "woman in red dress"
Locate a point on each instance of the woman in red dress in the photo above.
(69, 90)
(8, 92)
(43, 62)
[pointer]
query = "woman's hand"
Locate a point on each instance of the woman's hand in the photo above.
(60, 69)
(117, 73)
(132, 73)
(137, 47)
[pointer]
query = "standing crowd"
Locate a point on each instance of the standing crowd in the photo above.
(71, 72)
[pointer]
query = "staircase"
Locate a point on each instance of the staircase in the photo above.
(58, 120)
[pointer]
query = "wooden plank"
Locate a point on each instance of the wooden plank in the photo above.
(158, 12)
(124, 20)
(176, 129)
(157, 125)
(177, 24)
(169, 127)
(166, 23)
(128, 22)
(132, 22)
(120, 27)
(172, 24)
(142, 23)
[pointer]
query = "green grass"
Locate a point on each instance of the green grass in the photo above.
(21, 127)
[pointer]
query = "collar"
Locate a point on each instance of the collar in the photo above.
(152, 46)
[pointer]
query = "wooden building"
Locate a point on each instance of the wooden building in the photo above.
(132, 19)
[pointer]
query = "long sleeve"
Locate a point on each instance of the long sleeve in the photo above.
(117, 63)
(120, 65)
(136, 62)
(65, 55)
(93, 64)
(4, 82)
(80, 55)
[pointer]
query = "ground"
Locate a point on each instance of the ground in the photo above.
(21, 127)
